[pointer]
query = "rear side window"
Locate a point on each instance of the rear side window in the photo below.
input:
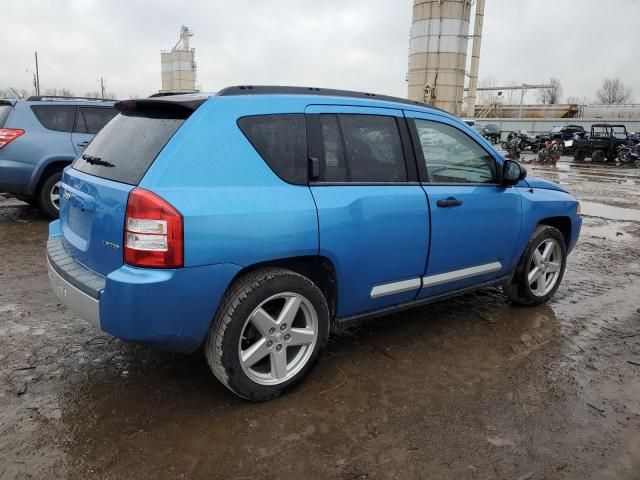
(5, 110)
(335, 168)
(281, 142)
(362, 148)
(55, 117)
(127, 146)
(92, 119)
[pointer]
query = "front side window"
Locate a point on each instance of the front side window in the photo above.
(55, 117)
(451, 156)
(362, 149)
(281, 142)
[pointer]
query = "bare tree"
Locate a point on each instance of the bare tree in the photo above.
(486, 97)
(577, 100)
(550, 95)
(11, 92)
(61, 92)
(613, 91)
(511, 95)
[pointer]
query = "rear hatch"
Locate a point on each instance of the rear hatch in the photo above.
(96, 188)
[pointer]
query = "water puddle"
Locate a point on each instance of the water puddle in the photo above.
(609, 232)
(592, 209)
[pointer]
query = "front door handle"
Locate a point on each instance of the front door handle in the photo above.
(449, 202)
(83, 144)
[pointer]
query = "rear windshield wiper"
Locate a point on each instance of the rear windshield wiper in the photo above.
(96, 161)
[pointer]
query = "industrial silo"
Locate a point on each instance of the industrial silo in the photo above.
(178, 67)
(438, 52)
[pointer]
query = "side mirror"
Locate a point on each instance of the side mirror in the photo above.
(512, 172)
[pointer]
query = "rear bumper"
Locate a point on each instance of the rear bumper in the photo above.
(171, 309)
(87, 308)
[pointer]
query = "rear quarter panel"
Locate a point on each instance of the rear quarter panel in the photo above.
(236, 209)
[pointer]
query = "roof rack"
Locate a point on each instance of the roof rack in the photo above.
(285, 90)
(45, 98)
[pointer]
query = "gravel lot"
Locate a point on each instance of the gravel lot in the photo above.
(466, 389)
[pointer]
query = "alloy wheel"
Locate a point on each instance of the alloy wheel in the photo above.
(278, 338)
(544, 267)
(54, 195)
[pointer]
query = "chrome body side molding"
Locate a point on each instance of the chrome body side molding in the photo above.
(440, 278)
(395, 287)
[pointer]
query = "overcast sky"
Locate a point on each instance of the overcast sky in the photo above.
(351, 44)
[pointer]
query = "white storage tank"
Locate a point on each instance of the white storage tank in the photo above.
(178, 66)
(438, 52)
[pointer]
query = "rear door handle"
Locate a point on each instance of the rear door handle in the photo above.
(449, 202)
(83, 144)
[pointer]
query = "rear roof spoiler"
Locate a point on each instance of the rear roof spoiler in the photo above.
(187, 103)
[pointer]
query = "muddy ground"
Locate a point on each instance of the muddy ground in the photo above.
(472, 388)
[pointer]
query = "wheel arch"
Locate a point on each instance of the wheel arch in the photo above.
(320, 270)
(44, 170)
(561, 223)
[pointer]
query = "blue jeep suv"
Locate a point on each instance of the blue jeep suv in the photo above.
(253, 222)
(40, 136)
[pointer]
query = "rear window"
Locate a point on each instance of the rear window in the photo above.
(92, 119)
(281, 142)
(127, 146)
(5, 110)
(55, 117)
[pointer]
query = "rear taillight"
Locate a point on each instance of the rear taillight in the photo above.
(8, 135)
(153, 235)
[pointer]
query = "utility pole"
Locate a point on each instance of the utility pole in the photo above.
(37, 77)
(475, 59)
(102, 87)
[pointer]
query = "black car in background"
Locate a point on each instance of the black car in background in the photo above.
(490, 131)
(567, 132)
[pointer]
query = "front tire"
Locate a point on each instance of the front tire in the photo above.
(49, 195)
(540, 269)
(268, 333)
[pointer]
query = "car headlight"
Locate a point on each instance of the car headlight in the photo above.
(579, 209)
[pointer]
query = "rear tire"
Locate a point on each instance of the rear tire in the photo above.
(579, 156)
(598, 156)
(255, 346)
(49, 195)
(539, 272)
